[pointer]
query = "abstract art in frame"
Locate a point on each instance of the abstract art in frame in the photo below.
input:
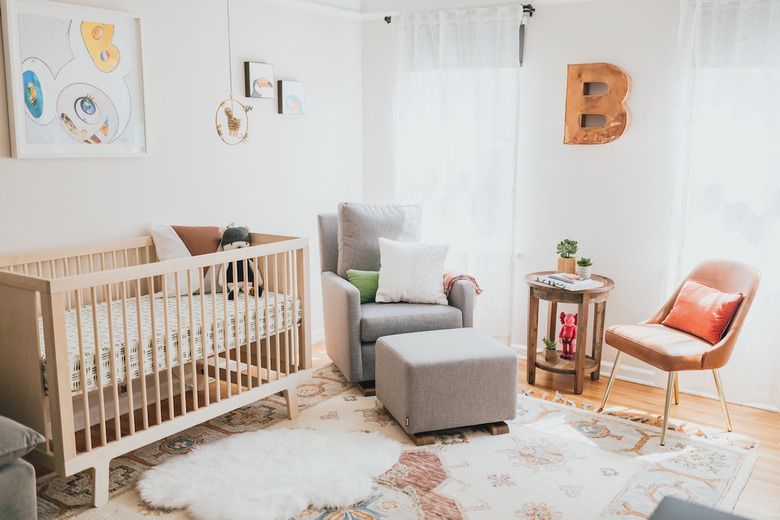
(259, 80)
(291, 100)
(74, 80)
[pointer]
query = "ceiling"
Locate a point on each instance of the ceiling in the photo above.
(393, 6)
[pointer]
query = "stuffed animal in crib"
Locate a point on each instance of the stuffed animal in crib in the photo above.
(568, 334)
(236, 238)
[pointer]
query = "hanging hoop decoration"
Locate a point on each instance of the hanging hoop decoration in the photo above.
(232, 121)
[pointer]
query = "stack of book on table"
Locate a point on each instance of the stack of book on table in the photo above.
(570, 282)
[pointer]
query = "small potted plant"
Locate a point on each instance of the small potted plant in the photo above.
(550, 351)
(567, 263)
(584, 267)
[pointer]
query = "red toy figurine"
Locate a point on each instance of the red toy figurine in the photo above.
(568, 334)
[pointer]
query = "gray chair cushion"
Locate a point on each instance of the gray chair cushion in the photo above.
(385, 319)
(16, 440)
(360, 226)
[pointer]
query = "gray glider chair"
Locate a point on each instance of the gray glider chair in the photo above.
(352, 328)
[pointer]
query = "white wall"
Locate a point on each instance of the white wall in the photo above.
(612, 198)
(291, 169)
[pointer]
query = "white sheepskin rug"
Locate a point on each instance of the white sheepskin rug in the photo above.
(270, 475)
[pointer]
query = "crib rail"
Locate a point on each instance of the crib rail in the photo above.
(132, 344)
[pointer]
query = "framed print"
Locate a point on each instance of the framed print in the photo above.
(259, 80)
(74, 80)
(291, 100)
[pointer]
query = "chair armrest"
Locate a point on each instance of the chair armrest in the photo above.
(341, 309)
(462, 297)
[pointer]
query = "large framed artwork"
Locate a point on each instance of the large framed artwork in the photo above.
(74, 80)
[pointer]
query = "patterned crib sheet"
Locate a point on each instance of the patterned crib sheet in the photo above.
(196, 329)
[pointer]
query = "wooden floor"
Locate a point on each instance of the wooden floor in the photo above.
(761, 498)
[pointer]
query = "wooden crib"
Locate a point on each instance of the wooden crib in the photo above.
(104, 349)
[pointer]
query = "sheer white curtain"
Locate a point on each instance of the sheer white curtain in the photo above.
(456, 112)
(729, 194)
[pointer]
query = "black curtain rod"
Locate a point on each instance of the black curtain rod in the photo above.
(527, 8)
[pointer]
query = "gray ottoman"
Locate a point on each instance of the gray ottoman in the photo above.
(449, 378)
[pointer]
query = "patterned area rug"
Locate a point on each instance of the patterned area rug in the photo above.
(557, 462)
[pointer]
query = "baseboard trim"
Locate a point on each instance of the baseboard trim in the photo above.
(643, 376)
(317, 335)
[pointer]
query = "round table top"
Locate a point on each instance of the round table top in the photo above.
(530, 279)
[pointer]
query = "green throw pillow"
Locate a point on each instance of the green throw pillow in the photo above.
(367, 283)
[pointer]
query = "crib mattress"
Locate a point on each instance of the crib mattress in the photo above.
(136, 351)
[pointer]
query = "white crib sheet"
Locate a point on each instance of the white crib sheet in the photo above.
(121, 352)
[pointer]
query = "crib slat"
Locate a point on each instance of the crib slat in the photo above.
(98, 364)
(257, 328)
(179, 345)
(141, 356)
(296, 338)
(150, 280)
(304, 336)
(237, 344)
(167, 329)
(284, 317)
(155, 356)
(267, 332)
(247, 343)
(83, 374)
(66, 273)
(107, 294)
(226, 330)
(193, 331)
(276, 313)
(203, 334)
(115, 288)
(128, 360)
(215, 341)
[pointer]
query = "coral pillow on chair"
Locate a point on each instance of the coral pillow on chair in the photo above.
(702, 310)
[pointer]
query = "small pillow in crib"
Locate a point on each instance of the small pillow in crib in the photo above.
(411, 272)
(175, 242)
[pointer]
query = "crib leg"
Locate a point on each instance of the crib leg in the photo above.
(291, 396)
(100, 482)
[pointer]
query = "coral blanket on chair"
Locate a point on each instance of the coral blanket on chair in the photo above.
(450, 277)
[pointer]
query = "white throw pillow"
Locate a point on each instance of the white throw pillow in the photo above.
(411, 272)
(170, 247)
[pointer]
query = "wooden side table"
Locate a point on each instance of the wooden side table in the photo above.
(582, 363)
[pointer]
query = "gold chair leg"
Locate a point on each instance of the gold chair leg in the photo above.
(669, 390)
(676, 391)
(719, 385)
(615, 367)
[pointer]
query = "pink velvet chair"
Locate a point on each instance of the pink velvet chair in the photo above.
(672, 350)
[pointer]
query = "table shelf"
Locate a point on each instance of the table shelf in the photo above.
(565, 366)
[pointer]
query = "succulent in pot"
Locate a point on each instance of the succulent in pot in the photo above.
(584, 267)
(567, 263)
(550, 350)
